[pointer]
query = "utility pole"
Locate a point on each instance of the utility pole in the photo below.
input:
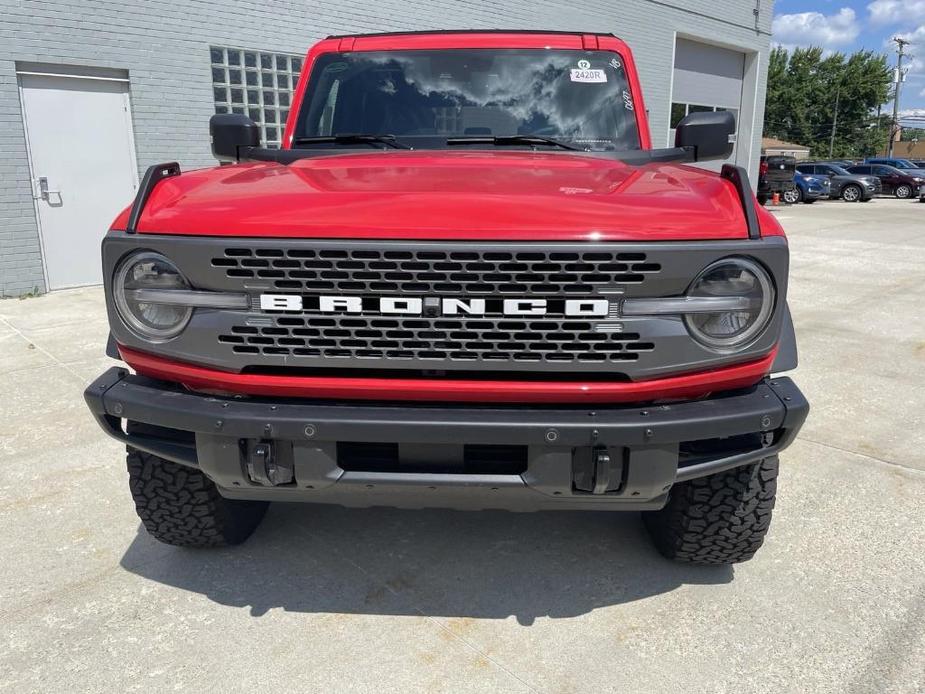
(894, 126)
(834, 120)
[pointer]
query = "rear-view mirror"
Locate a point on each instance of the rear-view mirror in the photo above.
(708, 133)
(230, 132)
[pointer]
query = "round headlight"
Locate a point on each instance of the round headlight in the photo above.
(727, 331)
(151, 321)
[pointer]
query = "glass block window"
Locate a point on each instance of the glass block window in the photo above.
(257, 84)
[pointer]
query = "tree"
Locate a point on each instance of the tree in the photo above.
(803, 89)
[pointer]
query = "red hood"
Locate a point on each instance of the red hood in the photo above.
(448, 195)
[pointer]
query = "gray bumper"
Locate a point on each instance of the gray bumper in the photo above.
(650, 448)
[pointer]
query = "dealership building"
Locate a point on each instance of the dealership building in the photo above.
(92, 93)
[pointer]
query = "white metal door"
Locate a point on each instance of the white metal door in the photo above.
(82, 156)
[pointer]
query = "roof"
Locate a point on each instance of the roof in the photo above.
(468, 31)
(774, 143)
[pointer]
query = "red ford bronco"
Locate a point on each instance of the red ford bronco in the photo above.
(466, 279)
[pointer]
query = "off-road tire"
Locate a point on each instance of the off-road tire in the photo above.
(851, 193)
(180, 506)
(720, 519)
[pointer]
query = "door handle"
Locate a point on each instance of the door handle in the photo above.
(44, 193)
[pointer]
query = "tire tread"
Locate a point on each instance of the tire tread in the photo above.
(720, 519)
(181, 506)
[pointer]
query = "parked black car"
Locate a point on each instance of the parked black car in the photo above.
(845, 185)
(775, 175)
(900, 184)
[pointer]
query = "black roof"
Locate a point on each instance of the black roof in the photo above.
(469, 31)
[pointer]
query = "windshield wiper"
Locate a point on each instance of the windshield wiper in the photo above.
(502, 140)
(351, 138)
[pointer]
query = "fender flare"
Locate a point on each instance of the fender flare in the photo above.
(786, 359)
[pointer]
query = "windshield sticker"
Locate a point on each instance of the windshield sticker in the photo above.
(615, 64)
(628, 101)
(588, 76)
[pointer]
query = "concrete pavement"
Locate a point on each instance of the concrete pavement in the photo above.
(334, 600)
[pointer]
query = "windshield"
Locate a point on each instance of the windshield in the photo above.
(839, 171)
(902, 164)
(424, 98)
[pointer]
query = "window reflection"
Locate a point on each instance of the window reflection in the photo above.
(580, 96)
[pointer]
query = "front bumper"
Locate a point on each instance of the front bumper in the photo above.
(816, 193)
(641, 450)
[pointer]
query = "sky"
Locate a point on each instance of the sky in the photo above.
(849, 25)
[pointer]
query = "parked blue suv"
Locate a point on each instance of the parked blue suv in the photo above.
(809, 188)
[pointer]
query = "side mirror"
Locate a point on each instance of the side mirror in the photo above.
(708, 133)
(230, 132)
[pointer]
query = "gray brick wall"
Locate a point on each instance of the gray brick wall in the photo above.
(164, 46)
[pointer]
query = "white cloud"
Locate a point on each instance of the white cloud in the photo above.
(815, 28)
(895, 11)
(912, 112)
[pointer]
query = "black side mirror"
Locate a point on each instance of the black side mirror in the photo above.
(708, 133)
(230, 132)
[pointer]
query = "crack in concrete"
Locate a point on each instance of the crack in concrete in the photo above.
(891, 463)
(44, 351)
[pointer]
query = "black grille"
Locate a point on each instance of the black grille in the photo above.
(528, 273)
(422, 339)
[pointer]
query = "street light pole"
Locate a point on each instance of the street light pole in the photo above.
(834, 120)
(894, 126)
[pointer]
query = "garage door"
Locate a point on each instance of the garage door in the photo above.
(706, 78)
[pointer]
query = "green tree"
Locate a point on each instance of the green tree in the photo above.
(804, 87)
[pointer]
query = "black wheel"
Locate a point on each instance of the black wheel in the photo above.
(180, 506)
(851, 193)
(903, 191)
(762, 200)
(791, 197)
(720, 519)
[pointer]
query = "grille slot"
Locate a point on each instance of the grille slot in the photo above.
(437, 339)
(441, 272)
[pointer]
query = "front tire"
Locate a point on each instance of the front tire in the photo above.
(792, 197)
(903, 192)
(180, 506)
(720, 519)
(851, 193)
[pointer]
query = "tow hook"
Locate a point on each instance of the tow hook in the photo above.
(264, 467)
(597, 470)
